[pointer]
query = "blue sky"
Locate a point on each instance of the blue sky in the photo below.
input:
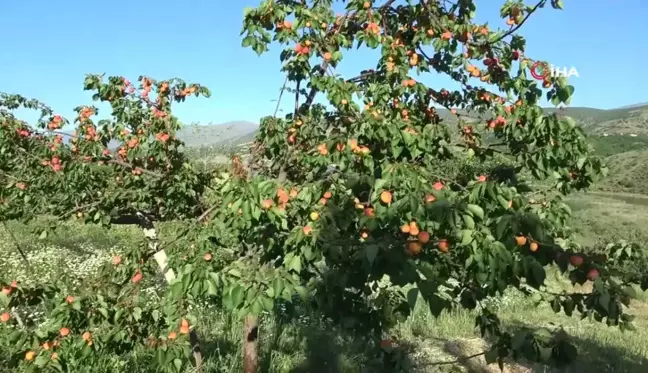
(53, 44)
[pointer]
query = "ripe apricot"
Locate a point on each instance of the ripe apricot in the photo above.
(414, 229)
(430, 198)
(307, 230)
(438, 185)
(593, 274)
(364, 234)
(184, 330)
(323, 201)
(86, 336)
(443, 245)
(327, 56)
(137, 277)
(576, 260)
(54, 356)
(533, 247)
(207, 257)
(328, 195)
(386, 197)
(414, 247)
(69, 299)
(172, 336)
(424, 237)
(267, 203)
(482, 178)
(30, 355)
(520, 240)
(64, 332)
(405, 228)
(6, 316)
(366, 5)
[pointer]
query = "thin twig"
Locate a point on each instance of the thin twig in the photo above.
(283, 88)
(206, 213)
(13, 238)
(452, 362)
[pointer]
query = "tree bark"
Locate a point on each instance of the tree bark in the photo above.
(250, 344)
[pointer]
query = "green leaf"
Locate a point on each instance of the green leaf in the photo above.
(370, 252)
(412, 296)
(466, 237)
(211, 287)
(476, 210)
(237, 294)
(120, 311)
(277, 286)
(468, 221)
(137, 313)
(491, 356)
(178, 364)
(302, 292)
(295, 264)
(536, 275)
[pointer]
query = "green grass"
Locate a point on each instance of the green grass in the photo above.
(300, 341)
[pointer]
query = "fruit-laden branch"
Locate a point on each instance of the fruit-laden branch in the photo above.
(323, 66)
(540, 4)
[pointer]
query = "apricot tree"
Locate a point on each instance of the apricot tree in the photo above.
(337, 198)
(362, 185)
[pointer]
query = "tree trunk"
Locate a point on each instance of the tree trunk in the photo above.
(250, 345)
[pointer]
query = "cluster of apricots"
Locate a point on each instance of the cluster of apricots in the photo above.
(55, 123)
(418, 238)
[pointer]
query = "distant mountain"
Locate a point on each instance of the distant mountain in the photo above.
(213, 134)
(634, 106)
(624, 121)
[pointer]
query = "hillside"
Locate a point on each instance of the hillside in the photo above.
(605, 146)
(628, 173)
(213, 134)
(621, 121)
